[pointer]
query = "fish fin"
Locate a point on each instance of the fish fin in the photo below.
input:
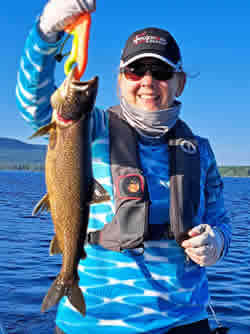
(84, 255)
(58, 290)
(75, 297)
(42, 205)
(99, 194)
(54, 247)
(43, 130)
(55, 293)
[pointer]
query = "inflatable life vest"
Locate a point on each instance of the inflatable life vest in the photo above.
(130, 225)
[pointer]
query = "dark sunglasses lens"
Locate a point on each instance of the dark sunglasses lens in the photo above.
(135, 73)
(162, 74)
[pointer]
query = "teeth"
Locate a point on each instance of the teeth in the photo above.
(148, 97)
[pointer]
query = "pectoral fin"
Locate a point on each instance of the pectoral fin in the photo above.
(42, 205)
(99, 194)
(44, 130)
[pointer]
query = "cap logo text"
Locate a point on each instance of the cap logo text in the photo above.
(145, 38)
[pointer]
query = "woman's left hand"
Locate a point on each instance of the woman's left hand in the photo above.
(205, 245)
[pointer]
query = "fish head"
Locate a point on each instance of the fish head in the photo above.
(73, 100)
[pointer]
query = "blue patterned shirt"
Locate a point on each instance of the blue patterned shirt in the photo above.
(126, 292)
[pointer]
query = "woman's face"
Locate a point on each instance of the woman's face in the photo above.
(150, 94)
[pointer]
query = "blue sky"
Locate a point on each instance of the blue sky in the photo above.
(214, 37)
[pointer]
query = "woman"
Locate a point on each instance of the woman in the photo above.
(150, 278)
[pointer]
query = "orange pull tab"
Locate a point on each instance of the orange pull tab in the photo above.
(80, 29)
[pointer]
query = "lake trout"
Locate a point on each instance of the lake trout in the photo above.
(70, 185)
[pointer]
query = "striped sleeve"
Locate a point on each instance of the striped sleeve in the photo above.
(215, 214)
(36, 83)
(35, 79)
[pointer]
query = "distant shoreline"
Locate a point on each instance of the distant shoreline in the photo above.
(19, 156)
(225, 171)
(26, 168)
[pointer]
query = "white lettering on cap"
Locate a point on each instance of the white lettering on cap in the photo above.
(144, 38)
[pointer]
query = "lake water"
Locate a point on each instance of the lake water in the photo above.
(26, 270)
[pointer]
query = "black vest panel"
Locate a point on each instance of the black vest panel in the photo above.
(129, 227)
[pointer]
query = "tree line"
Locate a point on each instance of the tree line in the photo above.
(225, 171)
(22, 166)
(235, 171)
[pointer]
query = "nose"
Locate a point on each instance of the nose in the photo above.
(147, 79)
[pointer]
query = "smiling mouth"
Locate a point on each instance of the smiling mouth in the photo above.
(149, 97)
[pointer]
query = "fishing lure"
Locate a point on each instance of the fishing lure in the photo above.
(79, 53)
(80, 30)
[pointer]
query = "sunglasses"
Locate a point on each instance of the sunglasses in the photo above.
(137, 71)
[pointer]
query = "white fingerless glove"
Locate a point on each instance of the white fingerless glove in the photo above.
(205, 245)
(57, 14)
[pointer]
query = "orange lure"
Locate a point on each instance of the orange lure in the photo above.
(80, 29)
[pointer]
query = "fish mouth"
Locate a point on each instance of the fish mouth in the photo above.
(78, 85)
(84, 85)
(78, 99)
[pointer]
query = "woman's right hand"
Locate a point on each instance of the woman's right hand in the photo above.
(57, 14)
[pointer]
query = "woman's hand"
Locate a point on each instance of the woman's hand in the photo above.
(205, 245)
(57, 14)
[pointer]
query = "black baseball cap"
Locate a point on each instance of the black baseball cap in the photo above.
(152, 42)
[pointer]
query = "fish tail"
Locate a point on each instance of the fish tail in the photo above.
(59, 289)
(75, 296)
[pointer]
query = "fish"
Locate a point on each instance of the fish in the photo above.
(70, 184)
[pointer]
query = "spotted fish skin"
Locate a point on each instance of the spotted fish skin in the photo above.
(69, 183)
